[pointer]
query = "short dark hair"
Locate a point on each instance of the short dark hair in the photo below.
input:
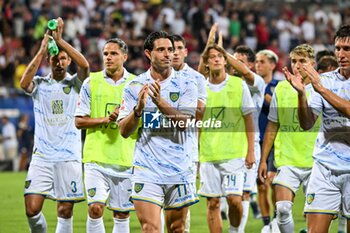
(149, 42)
(343, 32)
(245, 50)
(323, 53)
(122, 45)
(178, 38)
(327, 62)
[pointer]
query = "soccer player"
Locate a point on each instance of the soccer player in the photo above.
(243, 62)
(55, 170)
(328, 188)
(179, 64)
(222, 166)
(163, 101)
(265, 64)
(107, 156)
(293, 145)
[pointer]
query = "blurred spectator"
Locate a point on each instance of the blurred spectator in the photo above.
(9, 139)
(25, 140)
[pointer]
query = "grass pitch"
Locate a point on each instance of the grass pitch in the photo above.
(13, 219)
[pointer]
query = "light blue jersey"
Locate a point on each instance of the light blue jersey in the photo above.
(162, 153)
(257, 92)
(56, 138)
(332, 147)
(202, 96)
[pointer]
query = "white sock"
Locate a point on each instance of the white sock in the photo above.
(37, 223)
(342, 223)
(95, 225)
(121, 225)
(223, 205)
(245, 214)
(162, 221)
(64, 225)
(188, 222)
(233, 229)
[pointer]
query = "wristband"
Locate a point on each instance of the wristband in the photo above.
(135, 114)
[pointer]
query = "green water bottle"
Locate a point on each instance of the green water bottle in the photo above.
(52, 24)
(52, 47)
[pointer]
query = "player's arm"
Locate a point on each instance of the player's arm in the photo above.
(241, 68)
(210, 41)
(269, 138)
(129, 124)
(307, 118)
(77, 57)
(249, 125)
(28, 75)
(340, 104)
(84, 122)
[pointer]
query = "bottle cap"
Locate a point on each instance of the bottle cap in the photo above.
(52, 24)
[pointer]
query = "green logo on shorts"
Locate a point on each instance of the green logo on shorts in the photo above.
(27, 184)
(310, 198)
(138, 187)
(174, 96)
(91, 192)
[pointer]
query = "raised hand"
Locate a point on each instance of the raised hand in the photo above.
(220, 41)
(44, 42)
(211, 36)
(314, 76)
(57, 34)
(295, 80)
(142, 98)
(155, 92)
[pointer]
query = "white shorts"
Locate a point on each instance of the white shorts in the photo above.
(167, 196)
(292, 177)
(107, 189)
(61, 181)
(222, 179)
(328, 192)
(250, 175)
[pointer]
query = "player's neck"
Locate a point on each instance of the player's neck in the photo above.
(160, 74)
(180, 67)
(345, 73)
(217, 77)
(116, 75)
(268, 78)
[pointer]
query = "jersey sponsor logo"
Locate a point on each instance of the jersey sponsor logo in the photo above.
(67, 89)
(310, 198)
(92, 192)
(57, 106)
(138, 187)
(174, 96)
(27, 183)
(218, 113)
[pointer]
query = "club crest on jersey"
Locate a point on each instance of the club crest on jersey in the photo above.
(174, 96)
(27, 184)
(138, 187)
(91, 192)
(67, 89)
(310, 198)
